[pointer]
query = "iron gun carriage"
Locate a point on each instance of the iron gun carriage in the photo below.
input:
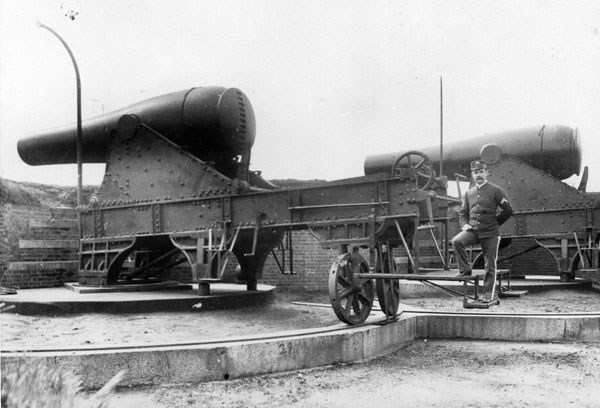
(531, 165)
(178, 189)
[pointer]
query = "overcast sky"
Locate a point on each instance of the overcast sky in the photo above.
(331, 82)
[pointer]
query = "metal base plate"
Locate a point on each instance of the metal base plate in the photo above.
(480, 305)
(512, 293)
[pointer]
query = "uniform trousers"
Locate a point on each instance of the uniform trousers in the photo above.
(489, 247)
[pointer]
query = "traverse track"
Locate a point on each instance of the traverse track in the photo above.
(218, 359)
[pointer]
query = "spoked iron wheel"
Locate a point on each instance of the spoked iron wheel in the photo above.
(417, 163)
(388, 290)
(351, 298)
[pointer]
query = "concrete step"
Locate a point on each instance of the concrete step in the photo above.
(42, 265)
(63, 223)
(48, 244)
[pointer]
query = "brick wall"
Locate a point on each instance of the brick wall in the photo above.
(38, 246)
(536, 262)
(311, 265)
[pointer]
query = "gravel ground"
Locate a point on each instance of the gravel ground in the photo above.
(290, 311)
(419, 374)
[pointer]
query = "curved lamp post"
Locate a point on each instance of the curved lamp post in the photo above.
(79, 131)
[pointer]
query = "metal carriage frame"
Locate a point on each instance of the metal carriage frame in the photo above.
(205, 227)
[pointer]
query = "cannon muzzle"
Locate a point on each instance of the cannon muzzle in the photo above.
(555, 149)
(214, 124)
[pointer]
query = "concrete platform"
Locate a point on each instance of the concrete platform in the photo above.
(531, 284)
(54, 301)
(229, 358)
(172, 296)
(235, 358)
(134, 286)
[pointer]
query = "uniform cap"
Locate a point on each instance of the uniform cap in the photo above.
(478, 165)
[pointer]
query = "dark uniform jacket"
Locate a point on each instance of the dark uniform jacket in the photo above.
(479, 209)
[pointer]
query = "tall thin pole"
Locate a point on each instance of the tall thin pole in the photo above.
(445, 224)
(79, 131)
(441, 129)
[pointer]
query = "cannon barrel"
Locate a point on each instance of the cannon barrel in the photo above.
(555, 149)
(215, 124)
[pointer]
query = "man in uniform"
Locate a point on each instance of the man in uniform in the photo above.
(480, 223)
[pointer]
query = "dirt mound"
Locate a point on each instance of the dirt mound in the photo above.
(23, 193)
(35, 194)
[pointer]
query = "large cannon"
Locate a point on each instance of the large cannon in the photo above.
(549, 214)
(214, 124)
(178, 189)
(554, 149)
